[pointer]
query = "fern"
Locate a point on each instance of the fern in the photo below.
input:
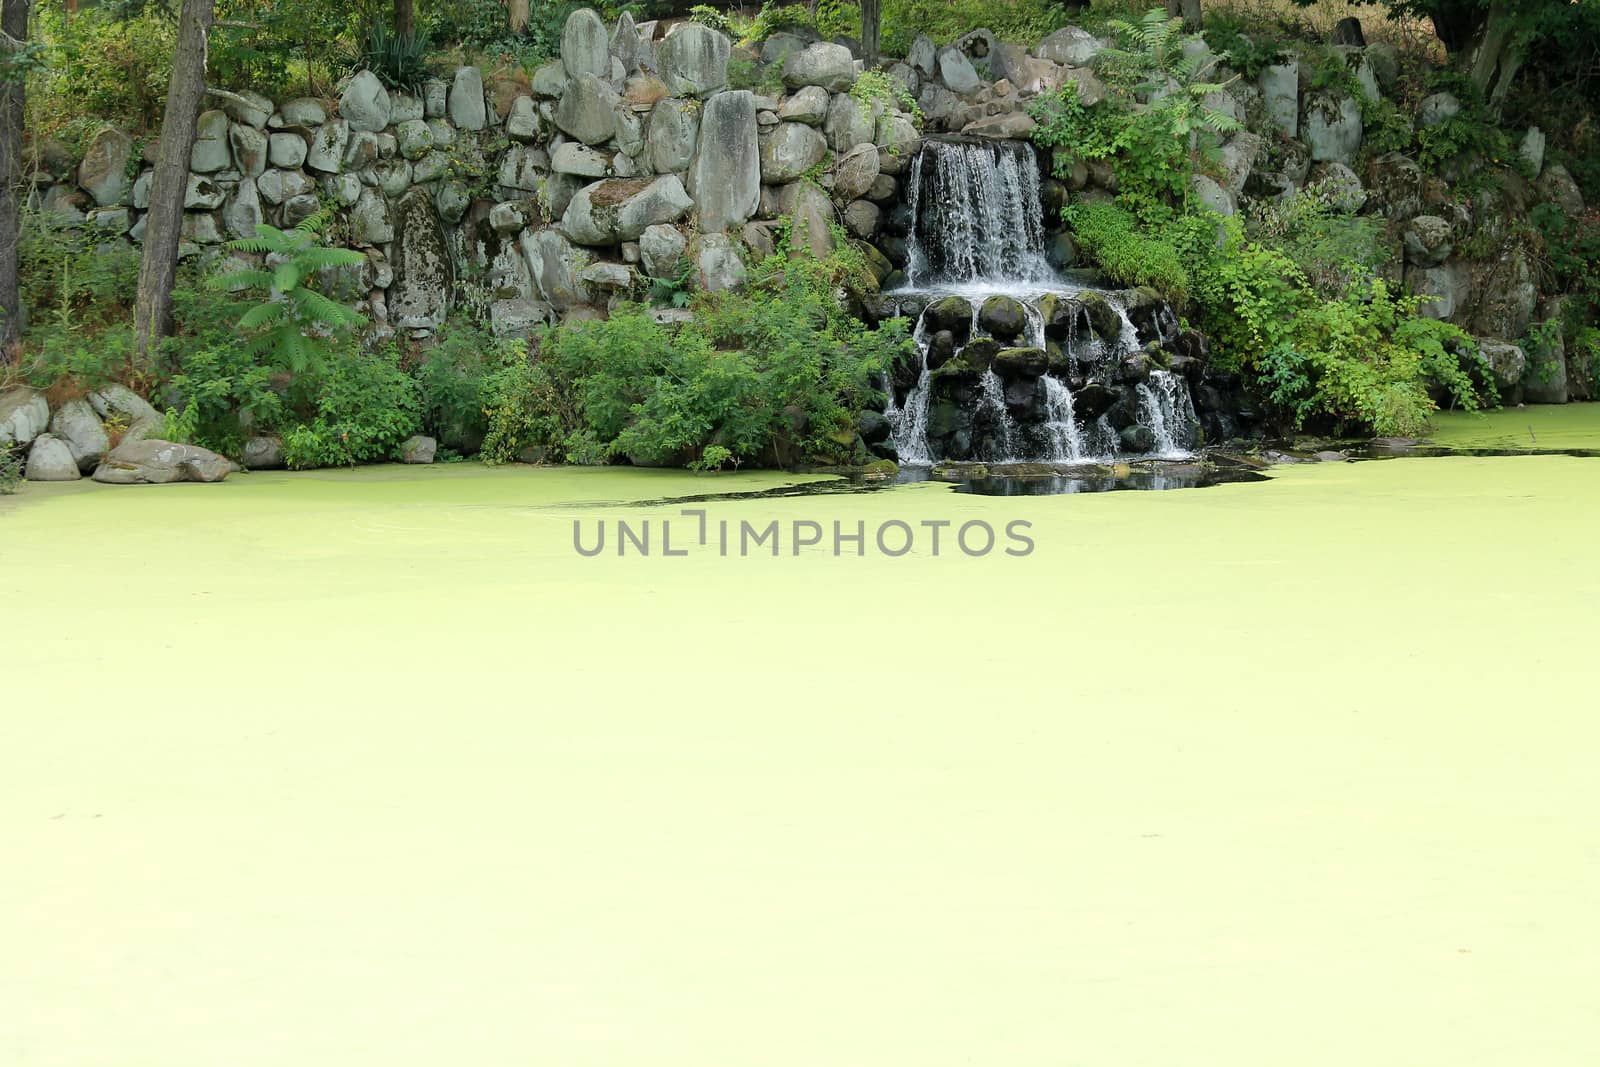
(294, 321)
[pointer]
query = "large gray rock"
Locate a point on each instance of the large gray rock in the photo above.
(200, 193)
(152, 461)
(556, 266)
(693, 59)
(717, 263)
(242, 214)
(621, 209)
(584, 47)
(522, 170)
(1547, 380)
(24, 414)
(1332, 127)
(252, 149)
(1211, 196)
(370, 221)
(628, 47)
(424, 273)
(809, 105)
(1507, 362)
(956, 70)
(725, 176)
(1446, 290)
(1280, 97)
(285, 150)
(923, 56)
(419, 448)
(790, 150)
(250, 108)
(1427, 240)
(674, 128)
(1236, 159)
(77, 426)
(262, 453)
(1507, 296)
(328, 146)
(660, 249)
(587, 109)
(50, 460)
(467, 109)
(1070, 46)
(850, 122)
(211, 151)
(1531, 149)
(898, 143)
(414, 138)
(1556, 186)
(277, 186)
(854, 173)
(123, 404)
(1438, 109)
(811, 217)
(524, 123)
(830, 66)
(304, 111)
(364, 104)
(575, 157)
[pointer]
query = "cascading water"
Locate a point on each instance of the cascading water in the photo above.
(999, 385)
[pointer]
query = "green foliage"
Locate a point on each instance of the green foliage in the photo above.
(1319, 230)
(451, 378)
(1249, 52)
(677, 290)
(1128, 253)
(875, 85)
(712, 17)
(1017, 20)
(294, 321)
(10, 470)
(93, 68)
(398, 59)
(219, 396)
(366, 406)
(774, 371)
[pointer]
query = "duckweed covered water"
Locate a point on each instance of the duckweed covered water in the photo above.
(366, 768)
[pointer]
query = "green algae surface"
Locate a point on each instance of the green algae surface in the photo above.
(1540, 427)
(371, 768)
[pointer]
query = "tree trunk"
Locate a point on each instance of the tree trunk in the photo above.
(517, 11)
(871, 27)
(405, 19)
(1189, 10)
(1493, 56)
(152, 316)
(14, 23)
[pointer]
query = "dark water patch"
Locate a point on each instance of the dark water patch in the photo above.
(1032, 479)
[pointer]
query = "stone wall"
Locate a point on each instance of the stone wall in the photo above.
(546, 196)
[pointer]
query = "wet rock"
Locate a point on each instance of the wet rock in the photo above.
(1020, 363)
(1003, 317)
(952, 313)
(1137, 438)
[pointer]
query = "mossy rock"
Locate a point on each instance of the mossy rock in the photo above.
(1015, 364)
(1102, 316)
(951, 313)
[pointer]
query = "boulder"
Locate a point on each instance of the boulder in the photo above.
(725, 175)
(243, 214)
(1531, 149)
(287, 150)
(1003, 317)
(956, 70)
(524, 123)
(855, 172)
(1556, 186)
(414, 138)
(303, 111)
(555, 265)
(365, 104)
(522, 170)
(24, 415)
(717, 263)
(152, 461)
(585, 48)
(1506, 362)
(587, 110)
(419, 448)
(1507, 295)
(952, 313)
(1013, 364)
(211, 151)
(861, 218)
(77, 426)
(660, 249)
(50, 460)
(1070, 46)
(629, 47)
(575, 157)
(1280, 97)
(1236, 159)
(621, 209)
(898, 143)
(276, 186)
(811, 218)
(1427, 240)
(1211, 196)
(467, 108)
(424, 272)
(328, 146)
(1010, 125)
(252, 149)
(828, 66)
(1438, 109)
(790, 150)
(262, 453)
(1394, 185)
(849, 123)
(1332, 127)
(123, 404)
(370, 221)
(249, 108)
(674, 128)
(809, 105)
(1446, 290)
(518, 318)
(693, 59)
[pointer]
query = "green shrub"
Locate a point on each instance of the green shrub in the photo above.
(366, 405)
(398, 59)
(10, 470)
(1128, 253)
(219, 396)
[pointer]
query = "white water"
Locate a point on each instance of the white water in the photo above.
(1066, 439)
(1169, 413)
(976, 215)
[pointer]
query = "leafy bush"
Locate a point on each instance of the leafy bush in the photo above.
(776, 371)
(10, 470)
(1018, 20)
(1126, 252)
(366, 405)
(1318, 229)
(99, 69)
(220, 395)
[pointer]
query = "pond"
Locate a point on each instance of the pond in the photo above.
(378, 754)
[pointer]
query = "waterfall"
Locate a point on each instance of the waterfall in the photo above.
(908, 422)
(1169, 413)
(976, 214)
(994, 403)
(1065, 439)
